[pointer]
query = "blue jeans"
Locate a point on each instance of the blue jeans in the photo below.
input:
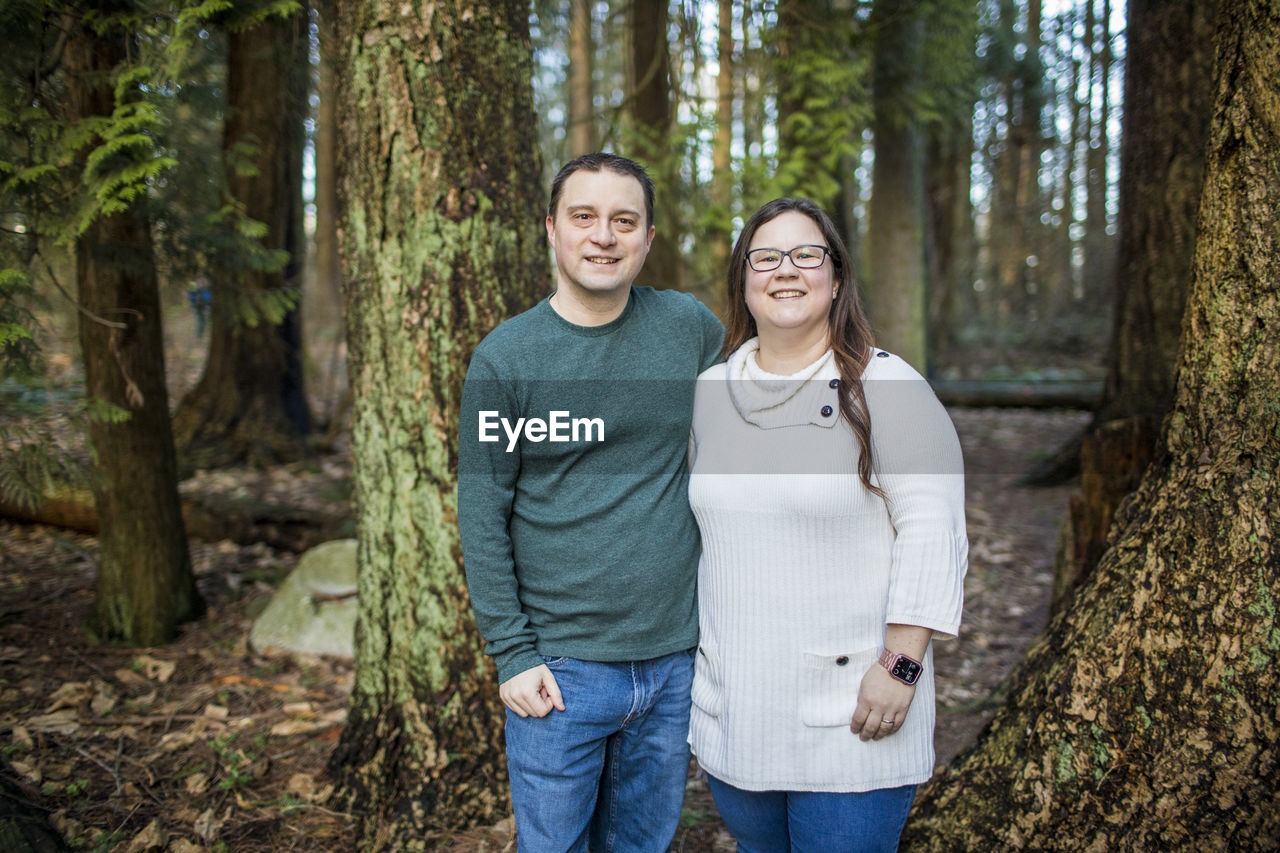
(813, 821)
(610, 767)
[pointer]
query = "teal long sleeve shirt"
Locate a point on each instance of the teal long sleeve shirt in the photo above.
(573, 482)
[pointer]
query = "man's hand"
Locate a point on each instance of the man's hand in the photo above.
(882, 704)
(532, 693)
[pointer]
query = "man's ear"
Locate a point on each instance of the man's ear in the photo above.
(551, 230)
(648, 241)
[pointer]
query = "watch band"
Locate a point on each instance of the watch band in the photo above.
(903, 668)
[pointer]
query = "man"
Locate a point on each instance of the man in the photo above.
(580, 548)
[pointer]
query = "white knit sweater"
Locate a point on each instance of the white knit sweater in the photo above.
(802, 567)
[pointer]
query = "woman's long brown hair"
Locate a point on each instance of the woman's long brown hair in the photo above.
(848, 329)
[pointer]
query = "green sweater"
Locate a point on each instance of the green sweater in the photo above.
(576, 529)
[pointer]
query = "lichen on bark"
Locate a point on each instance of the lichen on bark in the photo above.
(441, 198)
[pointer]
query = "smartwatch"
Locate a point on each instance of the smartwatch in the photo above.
(901, 667)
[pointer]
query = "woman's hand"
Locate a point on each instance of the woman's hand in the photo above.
(882, 704)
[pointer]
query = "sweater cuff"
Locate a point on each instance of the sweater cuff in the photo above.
(515, 661)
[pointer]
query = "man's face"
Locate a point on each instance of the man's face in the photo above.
(599, 233)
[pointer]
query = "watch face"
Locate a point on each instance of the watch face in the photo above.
(905, 670)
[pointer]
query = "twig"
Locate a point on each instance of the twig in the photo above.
(85, 311)
(94, 759)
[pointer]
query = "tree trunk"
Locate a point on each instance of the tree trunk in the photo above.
(896, 232)
(249, 405)
(723, 178)
(1168, 99)
(581, 108)
(951, 237)
(145, 588)
(322, 305)
(442, 239)
(1099, 246)
(1148, 717)
(649, 112)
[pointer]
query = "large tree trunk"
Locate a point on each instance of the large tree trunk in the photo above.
(896, 232)
(1148, 717)
(250, 405)
(442, 239)
(1168, 99)
(145, 587)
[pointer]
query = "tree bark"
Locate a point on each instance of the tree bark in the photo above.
(723, 178)
(897, 217)
(581, 107)
(1099, 246)
(145, 587)
(650, 125)
(442, 239)
(1148, 716)
(322, 305)
(1168, 99)
(250, 405)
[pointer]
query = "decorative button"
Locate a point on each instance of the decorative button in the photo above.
(826, 411)
(842, 660)
(882, 354)
(834, 383)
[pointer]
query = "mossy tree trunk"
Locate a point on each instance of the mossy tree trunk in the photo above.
(1168, 101)
(249, 405)
(441, 239)
(1148, 716)
(145, 587)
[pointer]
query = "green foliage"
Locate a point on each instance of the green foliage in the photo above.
(103, 411)
(33, 467)
(59, 175)
(235, 762)
(19, 355)
(827, 85)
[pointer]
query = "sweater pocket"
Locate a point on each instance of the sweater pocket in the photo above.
(708, 688)
(829, 686)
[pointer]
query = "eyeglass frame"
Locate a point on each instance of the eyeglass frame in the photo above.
(826, 253)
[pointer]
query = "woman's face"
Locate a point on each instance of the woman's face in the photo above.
(790, 299)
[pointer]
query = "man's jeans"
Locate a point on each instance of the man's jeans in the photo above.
(813, 821)
(611, 765)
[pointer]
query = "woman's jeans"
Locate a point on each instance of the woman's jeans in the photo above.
(611, 766)
(813, 821)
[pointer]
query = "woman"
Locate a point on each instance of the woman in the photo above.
(828, 485)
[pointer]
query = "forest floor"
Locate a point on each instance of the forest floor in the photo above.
(204, 745)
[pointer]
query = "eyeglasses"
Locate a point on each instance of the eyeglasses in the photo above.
(804, 257)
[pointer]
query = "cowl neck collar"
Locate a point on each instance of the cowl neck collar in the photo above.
(770, 400)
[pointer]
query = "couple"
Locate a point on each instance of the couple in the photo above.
(818, 512)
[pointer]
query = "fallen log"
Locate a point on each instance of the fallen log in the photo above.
(208, 517)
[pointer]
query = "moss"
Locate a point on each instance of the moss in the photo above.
(1066, 770)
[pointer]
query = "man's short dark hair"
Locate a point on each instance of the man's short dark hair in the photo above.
(598, 162)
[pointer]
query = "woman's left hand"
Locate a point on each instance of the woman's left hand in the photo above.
(882, 704)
